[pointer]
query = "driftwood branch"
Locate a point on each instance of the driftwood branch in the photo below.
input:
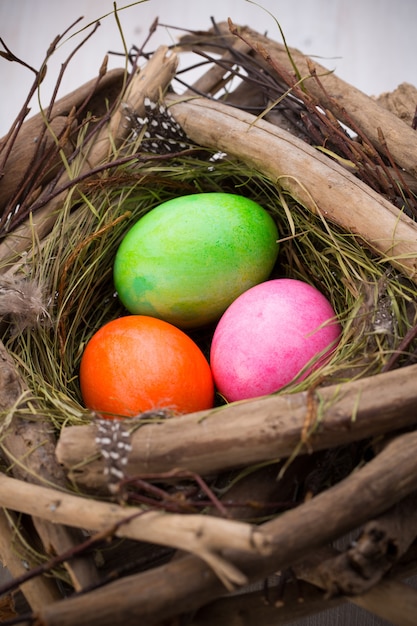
(313, 179)
(28, 446)
(217, 76)
(359, 569)
(188, 584)
(150, 81)
(390, 599)
(249, 432)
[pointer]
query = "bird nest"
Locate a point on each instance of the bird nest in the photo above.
(225, 510)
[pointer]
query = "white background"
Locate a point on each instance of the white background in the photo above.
(371, 44)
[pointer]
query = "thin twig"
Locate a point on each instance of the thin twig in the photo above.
(400, 350)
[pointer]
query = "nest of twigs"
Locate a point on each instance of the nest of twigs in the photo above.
(222, 500)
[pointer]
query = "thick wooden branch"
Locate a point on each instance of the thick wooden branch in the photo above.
(382, 542)
(217, 76)
(392, 601)
(249, 432)
(188, 584)
(313, 179)
(150, 81)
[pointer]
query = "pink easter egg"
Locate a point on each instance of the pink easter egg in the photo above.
(268, 335)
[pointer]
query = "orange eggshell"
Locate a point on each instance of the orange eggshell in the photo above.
(138, 363)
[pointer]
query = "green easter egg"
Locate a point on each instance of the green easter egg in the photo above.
(186, 260)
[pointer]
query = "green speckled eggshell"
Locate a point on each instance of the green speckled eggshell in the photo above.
(189, 258)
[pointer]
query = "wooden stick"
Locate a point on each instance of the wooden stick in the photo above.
(216, 77)
(150, 81)
(29, 445)
(250, 432)
(28, 145)
(393, 601)
(313, 179)
(382, 542)
(188, 584)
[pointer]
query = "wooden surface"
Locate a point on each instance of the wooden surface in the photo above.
(252, 432)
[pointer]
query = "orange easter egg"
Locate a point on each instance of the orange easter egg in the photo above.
(138, 363)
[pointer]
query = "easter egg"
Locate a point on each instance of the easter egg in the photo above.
(186, 260)
(268, 335)
(138, 363)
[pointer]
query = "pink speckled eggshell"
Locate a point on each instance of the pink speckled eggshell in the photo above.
(268, 335)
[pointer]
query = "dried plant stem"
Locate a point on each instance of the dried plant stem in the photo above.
(311, 178)
(149, 81)
(254, 431)
(382, 542)
(188, 584)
